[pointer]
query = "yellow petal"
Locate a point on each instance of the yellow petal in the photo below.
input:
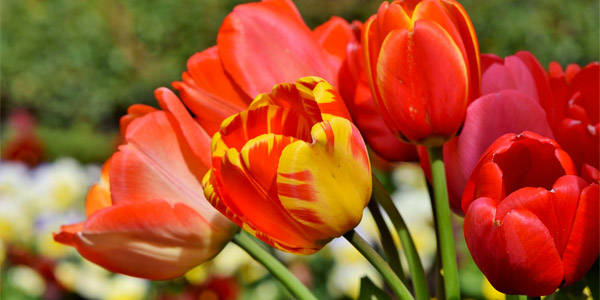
(326, 184)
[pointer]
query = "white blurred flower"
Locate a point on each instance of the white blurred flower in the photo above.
(16, 222)
(61, 185)
(27, 280)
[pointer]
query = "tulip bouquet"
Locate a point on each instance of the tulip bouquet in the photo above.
(272, 133)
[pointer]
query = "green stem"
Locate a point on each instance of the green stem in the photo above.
(444, 224)
(412, 256)
(439, 279)
(279, 271)
(387, 241)
(380, 265)
(534, 298)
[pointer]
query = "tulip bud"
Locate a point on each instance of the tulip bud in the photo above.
(422, 61)
(531, 224)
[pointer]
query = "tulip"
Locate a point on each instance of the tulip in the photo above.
(531, 224)
(355, 91)
(514, 93)
(147, 217)
(574, 113)
(292, 170)
(422, 62)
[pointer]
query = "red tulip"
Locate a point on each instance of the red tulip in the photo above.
(531, 223)
(292, 170)
(354, 89)
(148, 217)
(422, 61)
(574, 113)
(514, 93)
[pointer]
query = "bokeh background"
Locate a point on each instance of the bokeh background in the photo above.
(69, 70)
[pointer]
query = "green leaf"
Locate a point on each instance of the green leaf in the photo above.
(369, 291)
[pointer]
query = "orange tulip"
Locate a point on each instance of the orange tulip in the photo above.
(422, 61)
(292, 170)
(148, 217)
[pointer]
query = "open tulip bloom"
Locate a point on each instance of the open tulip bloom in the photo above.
(291, 167)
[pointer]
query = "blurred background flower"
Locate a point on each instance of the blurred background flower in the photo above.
(69, 70)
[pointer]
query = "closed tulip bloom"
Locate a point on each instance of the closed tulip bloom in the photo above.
(292, 170)
(422, 62)
(531, 224)
(148, 217)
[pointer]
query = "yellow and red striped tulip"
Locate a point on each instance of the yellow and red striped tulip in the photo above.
(422, 61)
(292, 169)
(147, 217)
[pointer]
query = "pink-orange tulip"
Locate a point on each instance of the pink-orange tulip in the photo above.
(292, 170)
(259, 45)
(531, 224)
(148, 216)
(422, 62)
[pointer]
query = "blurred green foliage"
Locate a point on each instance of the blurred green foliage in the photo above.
(82, 63)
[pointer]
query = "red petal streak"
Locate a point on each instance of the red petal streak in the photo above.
(252, 199)
(249, 124)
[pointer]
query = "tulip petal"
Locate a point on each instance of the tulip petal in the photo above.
(323, 183)
(333, 36)
(582, 248)
(133, 112)
(194, 134)
(287, 95)
(488, 118)
(513, 74)
(328, 99)
(418, 98)
(149, 239)
(517, 254)
(374, 130)
(144, 169)
(539, 76)
(266, 43)
(211, 96)
(469, 39)
(238, 129)
(98, 196)
(258, 210)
